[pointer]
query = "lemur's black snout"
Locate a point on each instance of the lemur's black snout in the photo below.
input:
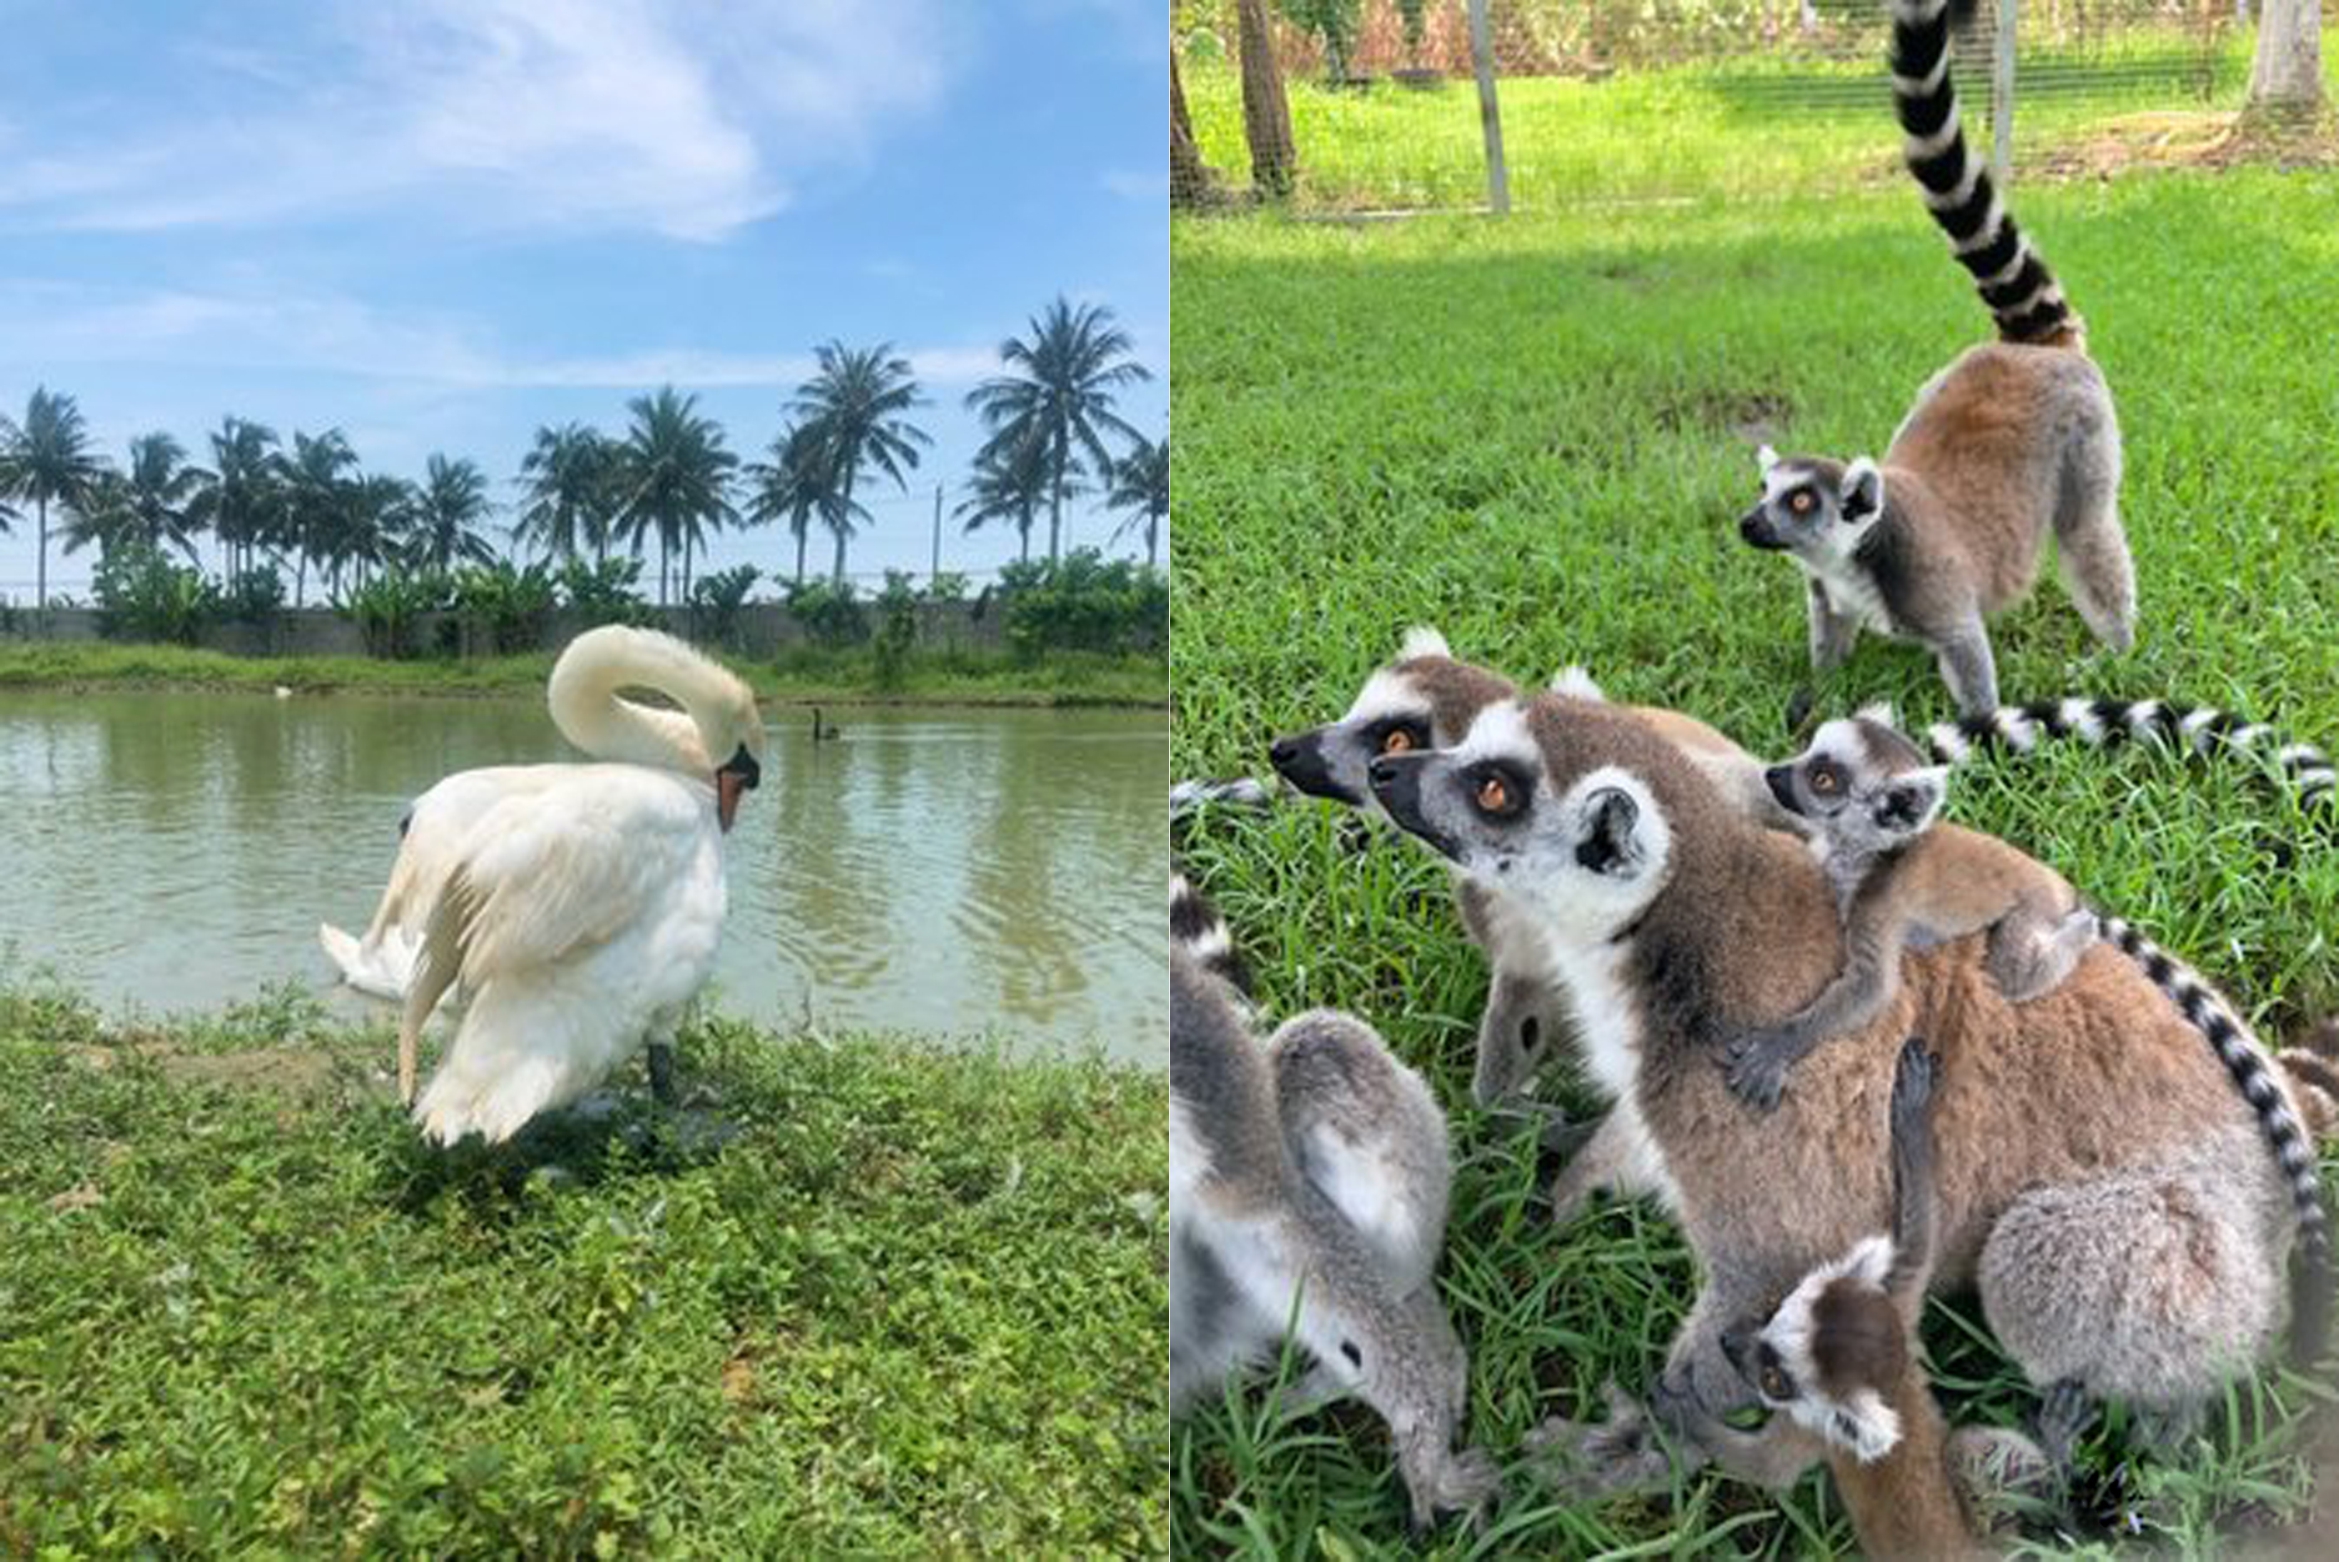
(1781, 781)
(1300, 760)
(1756, 528)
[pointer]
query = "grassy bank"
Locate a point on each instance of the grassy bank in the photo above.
(913, 1303)
(1538, 435)
(803, 676)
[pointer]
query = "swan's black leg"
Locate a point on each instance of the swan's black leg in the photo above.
(661, 1061)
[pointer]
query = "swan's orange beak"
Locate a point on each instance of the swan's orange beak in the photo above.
(740, 773)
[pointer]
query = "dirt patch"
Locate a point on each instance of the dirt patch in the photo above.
(1753, 416)
(296, 1071)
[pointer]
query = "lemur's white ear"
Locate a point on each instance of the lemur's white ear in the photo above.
(1862, 494)
(1421, 640)
(1766, 458)
(1912, 803)
(1868, 1261)
(1572, 680)
(1880, 712)
(1867, 1427)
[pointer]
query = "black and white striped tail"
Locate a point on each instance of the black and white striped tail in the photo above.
(2199, 729)
(2254, 1074)
(1238, 792)
(2014, 282)
(1199, 932)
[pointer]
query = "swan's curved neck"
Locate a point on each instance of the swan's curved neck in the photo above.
(590, 712)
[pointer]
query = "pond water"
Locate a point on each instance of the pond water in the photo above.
(951, 872)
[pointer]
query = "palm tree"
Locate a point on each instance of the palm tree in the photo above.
(318, 496)
(674, 478)
(1010, 484)
(374, 530)
(1141, 485)
(241, 503)
(566, 480)
(1062, 395)
(853, 407)
(162, 491)
(452, 500)
(48, 460)
(793, 486)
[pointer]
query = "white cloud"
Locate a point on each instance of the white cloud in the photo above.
(687, 118)
(1148, 187)
(57, 323)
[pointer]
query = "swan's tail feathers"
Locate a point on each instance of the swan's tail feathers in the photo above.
(436, 965)
(526, 1047)
(383, 967)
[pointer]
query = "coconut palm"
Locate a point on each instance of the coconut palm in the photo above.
(48, 459)
(674, 478)
(565, 478)
(240, 505)
(854, 409)
(1141, 486)
(318, 496)
(1010, 484)
(450, 504)
(162, 489)
(793, 486)
(374, 529)
(1060, 391)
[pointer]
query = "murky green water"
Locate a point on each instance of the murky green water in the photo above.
(939, 871)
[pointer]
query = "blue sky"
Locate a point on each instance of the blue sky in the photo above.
(438, 225)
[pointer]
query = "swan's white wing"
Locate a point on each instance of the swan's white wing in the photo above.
(549, 874)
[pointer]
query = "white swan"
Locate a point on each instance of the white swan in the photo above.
(573, 909)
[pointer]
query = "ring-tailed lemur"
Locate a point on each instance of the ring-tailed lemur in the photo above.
(1308, 1185)
(1841, 1356)
(2013, 441)
(1902, 877)
(2101, 1182)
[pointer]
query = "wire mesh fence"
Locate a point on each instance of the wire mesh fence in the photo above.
(1685, 100)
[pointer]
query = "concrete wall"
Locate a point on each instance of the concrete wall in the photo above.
(761, 630)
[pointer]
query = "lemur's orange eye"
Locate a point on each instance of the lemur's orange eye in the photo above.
(1824, 780)
(1397, 741)
(1802, 502)
(1775, 1384)
(1494, 795)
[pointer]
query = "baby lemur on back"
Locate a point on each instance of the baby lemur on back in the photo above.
(1841, 1357)
(2014, 440)
(1900, 877)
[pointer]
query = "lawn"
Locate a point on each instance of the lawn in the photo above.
(1755, 127)
(1537, 435)
(912, 1304)
(798, 676)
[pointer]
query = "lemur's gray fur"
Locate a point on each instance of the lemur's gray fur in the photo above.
(2100, 1179)
(2013, 441)
(1901, 878)
(1308, 1187)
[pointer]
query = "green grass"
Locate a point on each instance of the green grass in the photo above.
(913, 1306)
(1756, 127)
(799, 676)
(1537, 435)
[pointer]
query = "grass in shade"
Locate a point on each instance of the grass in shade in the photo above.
(902, 1300)
(1537, 435)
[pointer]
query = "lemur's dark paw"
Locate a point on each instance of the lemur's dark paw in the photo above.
(1755, 1068)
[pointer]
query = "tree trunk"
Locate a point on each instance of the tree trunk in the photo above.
(803, 536)
(1266, 116)
(1190, 181)
(1152, 542)
(41, 589)
(844, 513)
(687, 540)
(2286, 74)
(664, 565)
(300, 577)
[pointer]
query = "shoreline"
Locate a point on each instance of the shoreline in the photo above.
(1063, 681)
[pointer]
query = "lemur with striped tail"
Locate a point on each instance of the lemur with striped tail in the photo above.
(1309, 1179)
(2015, 440)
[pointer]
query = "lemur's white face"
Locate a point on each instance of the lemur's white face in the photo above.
(1588, 852)
(1418, 701)
(1859, 801)
(1814, 507)
(1778, 1359)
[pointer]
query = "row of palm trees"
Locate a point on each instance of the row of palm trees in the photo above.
(669, 479)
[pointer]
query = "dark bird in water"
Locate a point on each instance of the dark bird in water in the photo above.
(821, 734)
